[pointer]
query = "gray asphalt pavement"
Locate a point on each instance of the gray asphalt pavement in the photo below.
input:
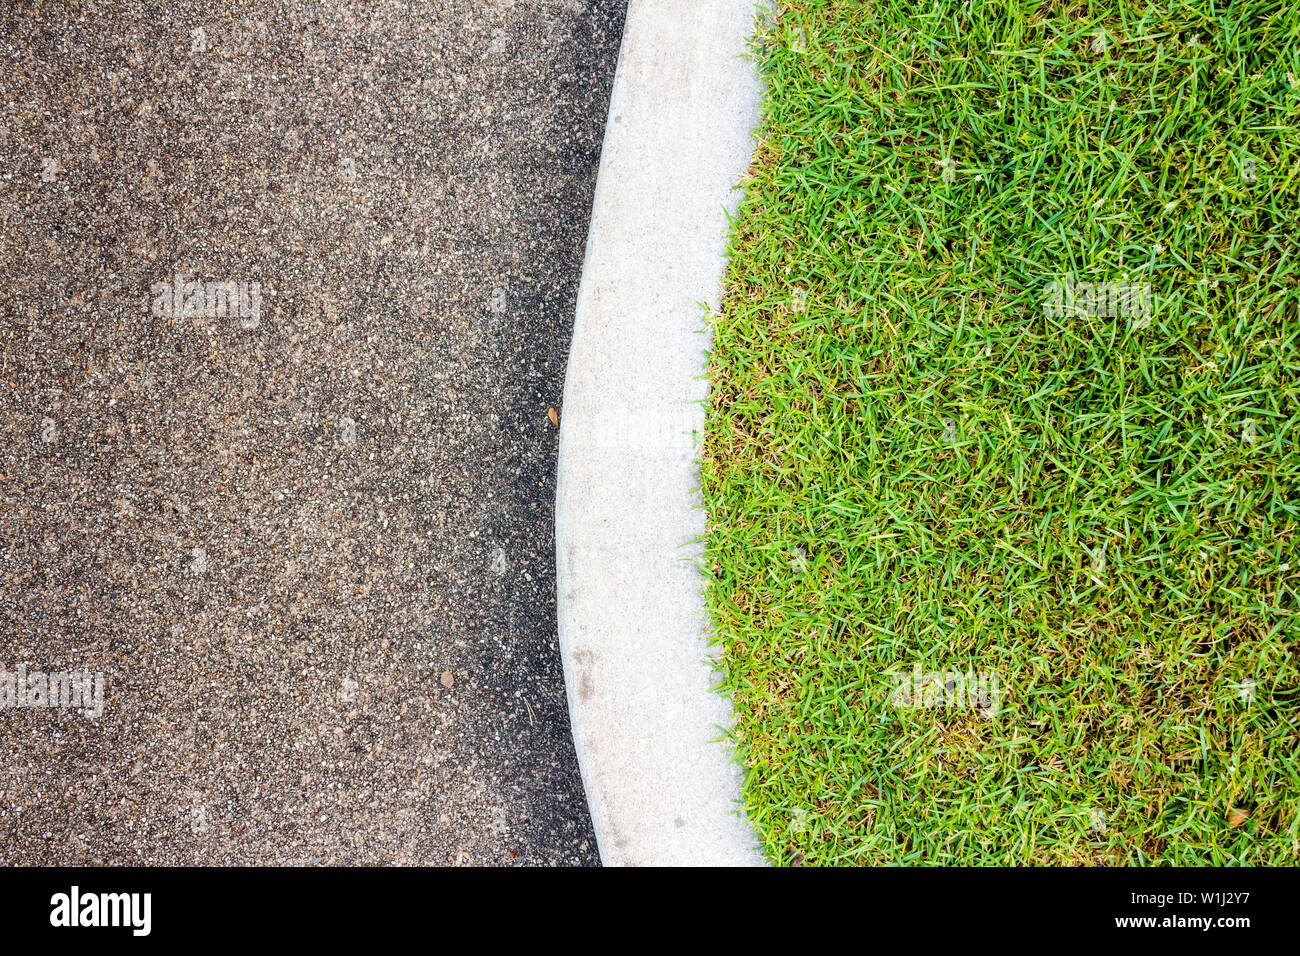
(288, 289)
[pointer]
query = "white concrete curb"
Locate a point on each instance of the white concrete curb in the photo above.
(632, 626)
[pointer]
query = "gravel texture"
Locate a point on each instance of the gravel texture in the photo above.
(309, 549)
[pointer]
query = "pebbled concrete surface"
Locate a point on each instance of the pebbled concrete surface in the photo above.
(311, 553)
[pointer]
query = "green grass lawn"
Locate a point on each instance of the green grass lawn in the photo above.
(913, 465)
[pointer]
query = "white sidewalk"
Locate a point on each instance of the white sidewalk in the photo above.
(632, 625)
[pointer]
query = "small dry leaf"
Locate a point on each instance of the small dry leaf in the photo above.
(1237, 817)
(554, 416)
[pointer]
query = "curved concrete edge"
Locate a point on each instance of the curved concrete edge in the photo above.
(662, 788)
